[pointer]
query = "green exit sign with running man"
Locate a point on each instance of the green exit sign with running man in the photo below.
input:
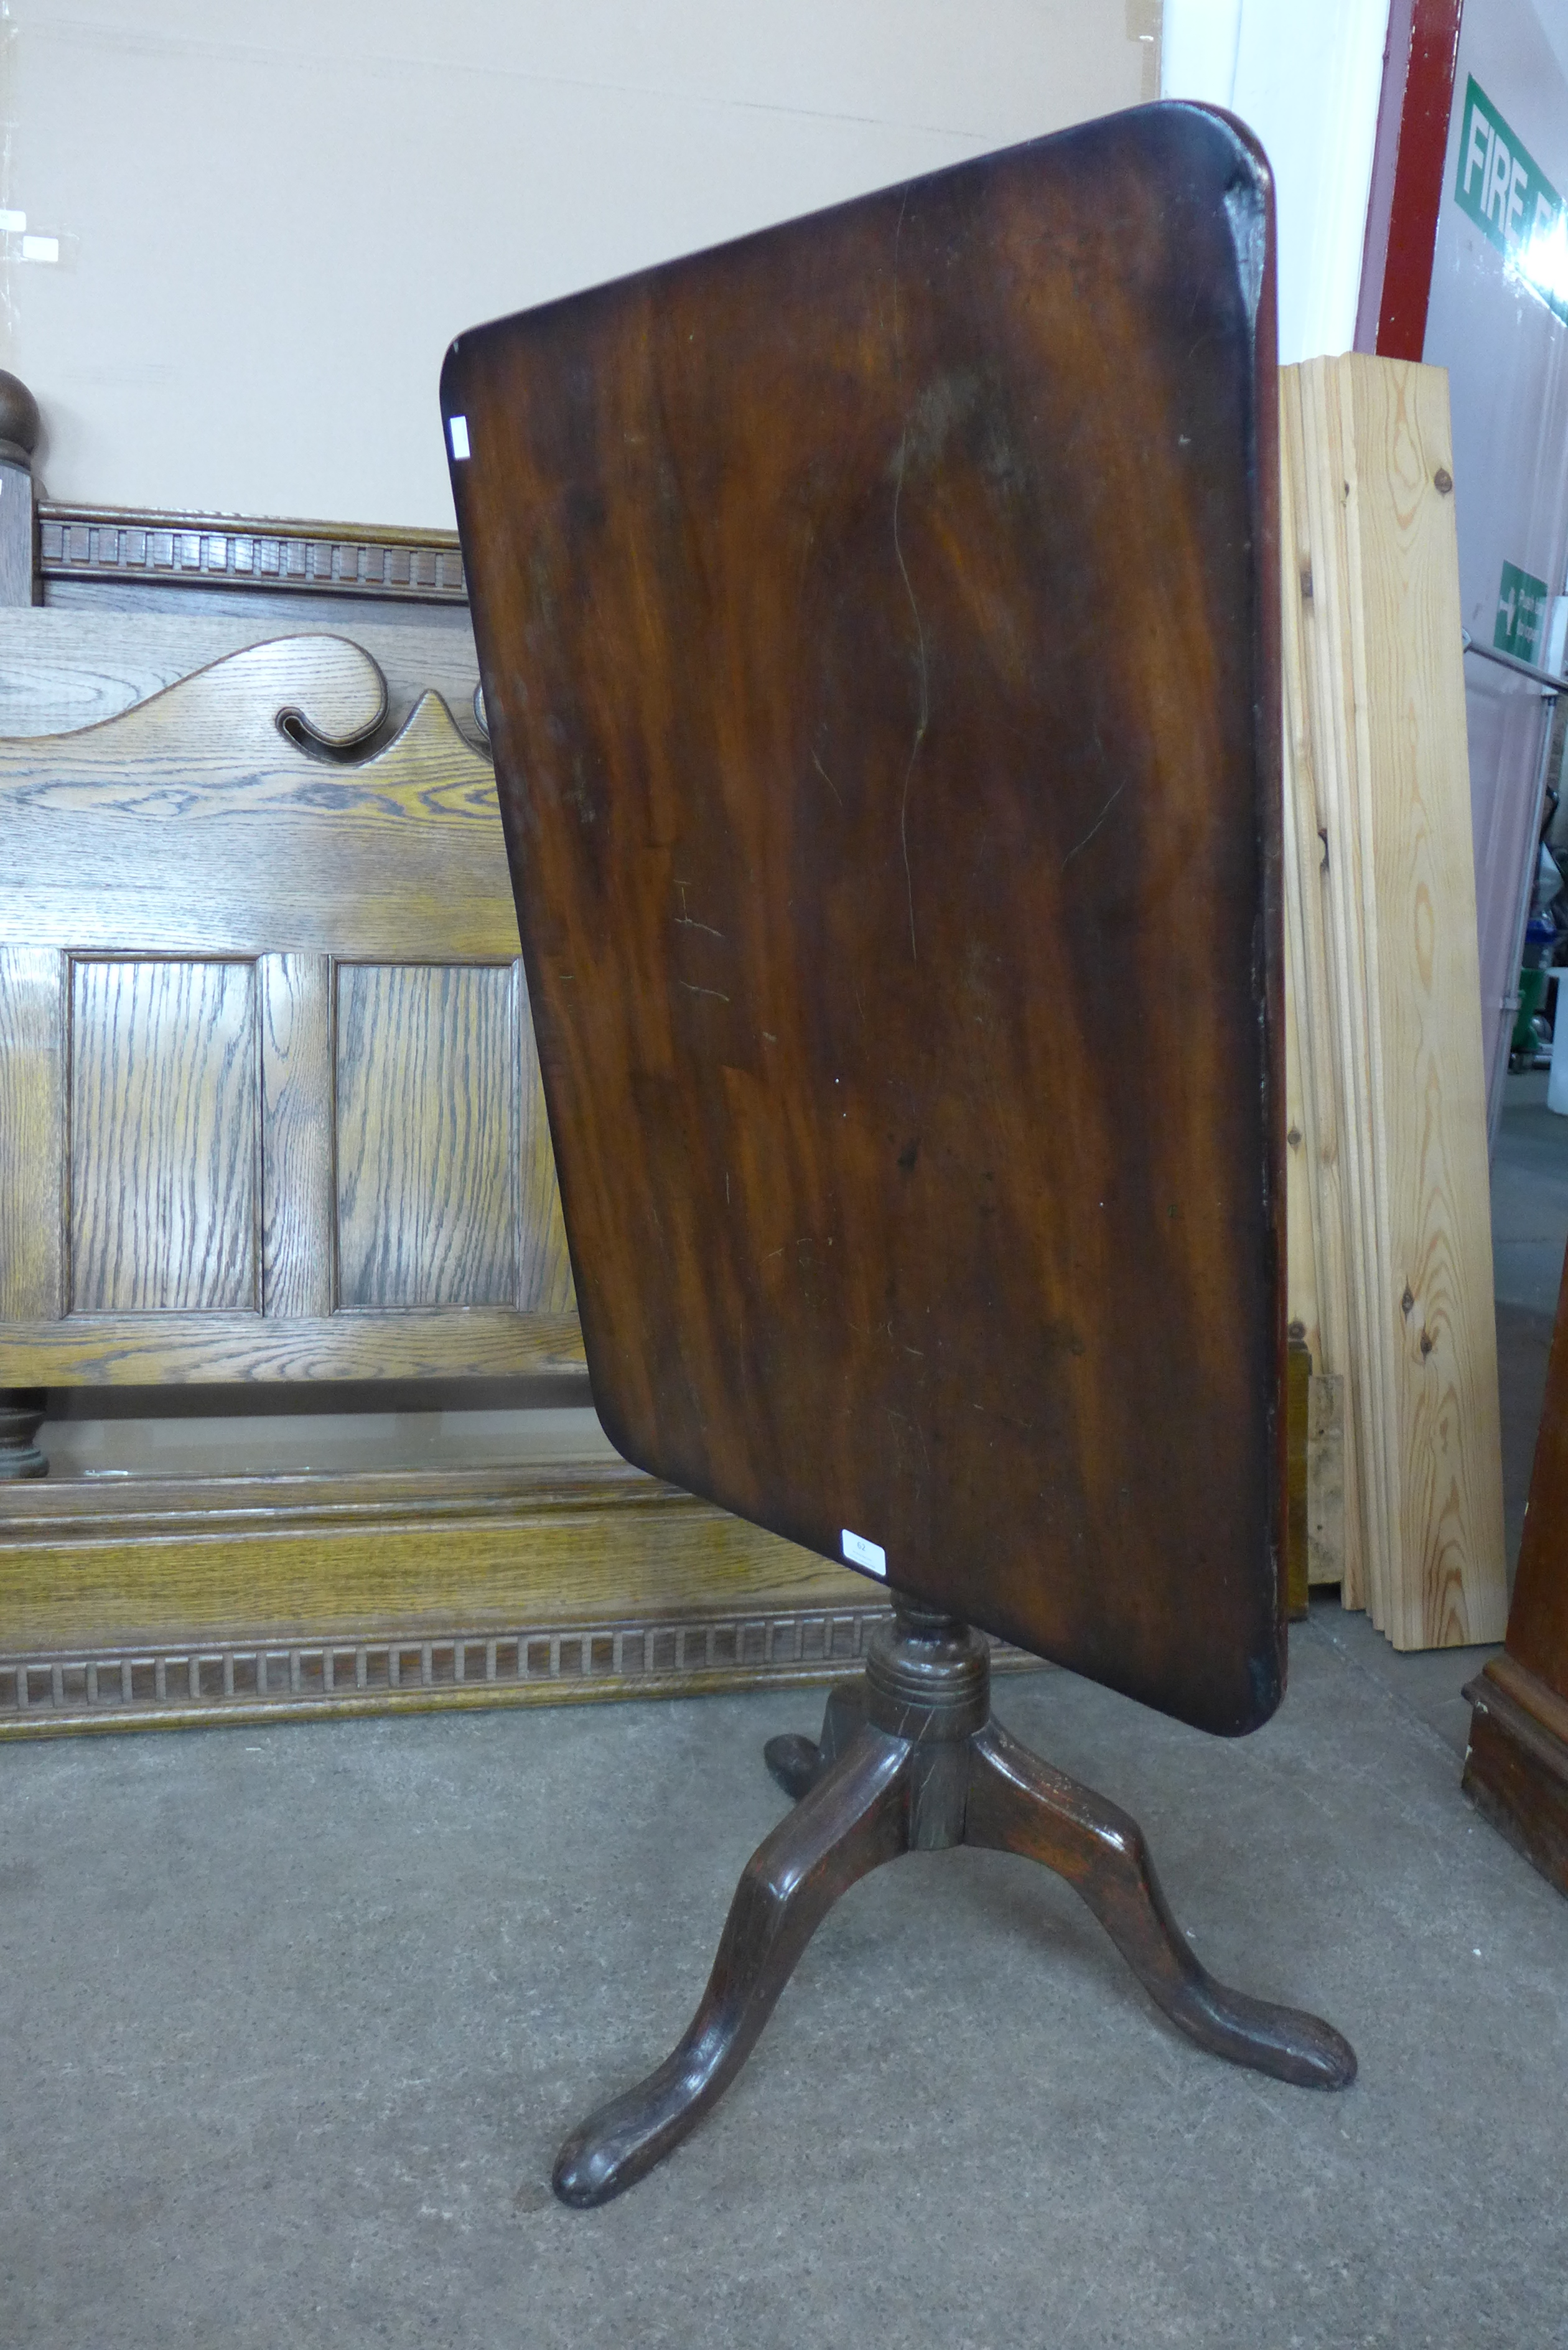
(1520, 614)
(1504, 190)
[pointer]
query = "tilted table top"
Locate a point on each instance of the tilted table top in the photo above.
(878, 624)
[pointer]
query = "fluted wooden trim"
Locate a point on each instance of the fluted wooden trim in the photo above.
(178, 1684)
(146, 1601)
(185, 1684)
(129, 544)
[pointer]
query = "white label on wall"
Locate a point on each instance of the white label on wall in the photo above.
(868, 1554)
(458, 428)
(41, 248)
(13, 223)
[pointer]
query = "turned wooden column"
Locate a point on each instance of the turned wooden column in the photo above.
(21, 1415)
(18, 439)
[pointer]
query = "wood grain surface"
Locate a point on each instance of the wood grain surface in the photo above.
(137, 550)
(394, 854)
(1326, 1478)
(31, 1133)
(426, 1094)
(1316, 458)
(146, 1349)
(1437, 1300)
(277, 955)
(136, 1601)
(164, 1143)
(1381, 897)
(216, 1557)
(16, 534)
(1316, 1204)
(879, 627)
(145, 1603)
(63, 668)
(1301, 1286)
(299, 1225)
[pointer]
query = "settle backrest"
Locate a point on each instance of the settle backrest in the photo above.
(269, 1102)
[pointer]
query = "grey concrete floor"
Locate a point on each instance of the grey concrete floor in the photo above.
(295, 2019)
(292, 2020)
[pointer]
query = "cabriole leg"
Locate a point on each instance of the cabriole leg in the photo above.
(795, 1763)
(1019, 1803)
(853, 1819)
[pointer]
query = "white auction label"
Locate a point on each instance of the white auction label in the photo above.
(458, 428)
(868, 1554)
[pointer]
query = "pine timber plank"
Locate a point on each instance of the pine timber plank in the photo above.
(1344, 1026)
(1326, 1480)
(1343, 761)
(1390, 1056)
(1315, 1169)
(1301, 1268)
(1435, 1309)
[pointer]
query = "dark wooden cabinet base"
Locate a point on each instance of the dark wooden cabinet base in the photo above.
(1516, 1771)
(1517, 1767)
(910, 1760)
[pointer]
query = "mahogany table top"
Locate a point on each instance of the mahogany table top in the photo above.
(877, 622)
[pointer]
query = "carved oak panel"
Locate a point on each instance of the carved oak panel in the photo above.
(272, 1104)
(163, 1130)
(426, 1100)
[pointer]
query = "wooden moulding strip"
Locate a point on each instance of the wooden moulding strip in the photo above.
(1433, 1307)
(102, 544)
(140, 1349)
(1314, 1166)
(1301, 1117)
(1301, 1285)
(196, 1685)
(1370, 1393)
(1341, 1031)
(187, 1601)
(1516, 1771)
(1351, 904)
(1326, 1480)
(1544, 1704)
(192, 1684)
(209, 1558)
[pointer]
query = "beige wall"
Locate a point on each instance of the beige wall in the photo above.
(272, 219)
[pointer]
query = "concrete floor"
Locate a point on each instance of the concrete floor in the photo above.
(296, 2019)
(292, 2021)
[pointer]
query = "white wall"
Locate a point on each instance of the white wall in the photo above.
(1306, 75)
(271, 221)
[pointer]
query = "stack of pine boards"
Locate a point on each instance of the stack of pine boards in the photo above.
(1389, 1228)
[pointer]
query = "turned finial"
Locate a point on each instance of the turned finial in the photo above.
(18, 422)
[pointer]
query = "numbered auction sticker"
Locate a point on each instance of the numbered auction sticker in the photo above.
(868, 1554)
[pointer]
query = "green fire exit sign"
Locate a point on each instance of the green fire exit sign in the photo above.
(1520, 614)
(1504, 190)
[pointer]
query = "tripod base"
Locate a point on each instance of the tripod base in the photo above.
(910, 1760)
